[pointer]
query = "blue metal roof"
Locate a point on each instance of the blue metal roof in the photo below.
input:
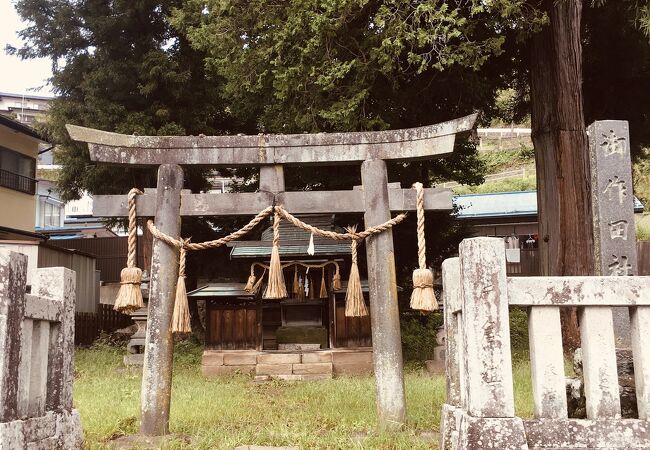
(504, 204)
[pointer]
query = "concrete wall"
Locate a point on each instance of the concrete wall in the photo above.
(18, 208)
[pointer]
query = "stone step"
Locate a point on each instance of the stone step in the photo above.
(317, 368)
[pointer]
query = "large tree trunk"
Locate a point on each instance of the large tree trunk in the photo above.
(561, 150)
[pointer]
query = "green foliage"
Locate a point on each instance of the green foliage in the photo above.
(508, 185)
(509, 107)
(519, 333)
(642, 232)
(419, 334)
(353, 64)
(502, 160)
(641, 177)
(616, 66)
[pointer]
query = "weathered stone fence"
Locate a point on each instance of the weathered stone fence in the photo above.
(480, 411)
(36, 357)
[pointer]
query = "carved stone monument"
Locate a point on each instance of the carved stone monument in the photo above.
(613, 209)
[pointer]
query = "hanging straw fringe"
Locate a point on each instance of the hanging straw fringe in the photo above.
(311, 290)
(181, 316)
(323, 286)
(355, 305)
(276, 288)
(336, 279)
(295, 289)
(250, 284)
(256, 286)
(423, 297)
(129, 297)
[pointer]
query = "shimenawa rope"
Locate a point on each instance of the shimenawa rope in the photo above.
(129, 297)
(276, 288)
(423, 296)
(355, 305)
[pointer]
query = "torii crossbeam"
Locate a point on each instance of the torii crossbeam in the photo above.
(376, 199)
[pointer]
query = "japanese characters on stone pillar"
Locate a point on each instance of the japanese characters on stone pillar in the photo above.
(613, 208)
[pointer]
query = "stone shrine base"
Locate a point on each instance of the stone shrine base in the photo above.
(54, 430)
(299, 365)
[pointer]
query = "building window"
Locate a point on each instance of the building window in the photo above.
(17, 171)
(51, 215)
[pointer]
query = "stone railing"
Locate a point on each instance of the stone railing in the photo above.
(480, 411)
(36, 357)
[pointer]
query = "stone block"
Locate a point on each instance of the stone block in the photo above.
(439, 354)
(476, 433)
(295, 347)
(435, 367)
(317, 357)
(312, 368)
(218, 371)
(212, 358)
(134, 359)
(278, 358)
(310, 377)
(263, 447)
(344, 357)
(239, 358)
(353, 368)
(358, 362)
(273, 369)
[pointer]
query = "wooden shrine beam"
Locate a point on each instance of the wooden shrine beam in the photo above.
(246, 203)
(291, 149)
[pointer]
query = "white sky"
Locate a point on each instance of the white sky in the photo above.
(18, 76)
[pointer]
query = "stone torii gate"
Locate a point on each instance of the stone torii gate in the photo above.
(272, 153)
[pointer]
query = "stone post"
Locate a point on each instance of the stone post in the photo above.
(272, 178)
(159, 345)
(13, 278)
(613, 209)
(384, 313)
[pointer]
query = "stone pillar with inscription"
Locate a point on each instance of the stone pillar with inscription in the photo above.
(613, 209)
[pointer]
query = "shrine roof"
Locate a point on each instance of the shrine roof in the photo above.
(221, 290)
(294, 241)
(504, 204)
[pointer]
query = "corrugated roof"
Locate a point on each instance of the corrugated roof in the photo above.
(288, 232)
(504, 204)
(221, 290)
(262, 249)
(293, 241)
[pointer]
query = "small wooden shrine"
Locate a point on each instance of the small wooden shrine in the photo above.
(312, 317)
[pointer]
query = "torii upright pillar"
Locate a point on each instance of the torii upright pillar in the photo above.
(159, 343)
(384, 313)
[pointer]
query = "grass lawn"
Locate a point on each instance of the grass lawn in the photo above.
(226, 412)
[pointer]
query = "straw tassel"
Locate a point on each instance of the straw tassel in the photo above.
(295, 290)
(250, 284)
(355, 305)
(129, 297)
(311, 291)
(256, 286)
(181, 315)
(423, 297)
(336, 279)
(276, 288)
(323, 286)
